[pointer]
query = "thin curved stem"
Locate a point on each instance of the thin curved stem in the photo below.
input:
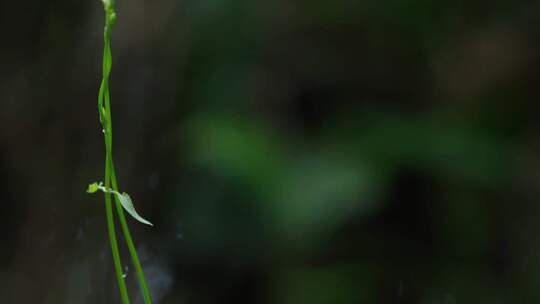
(112, 237)
(110, 175)
(129, 241)
(104, 115)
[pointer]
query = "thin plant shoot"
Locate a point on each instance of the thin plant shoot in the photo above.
(110, 186)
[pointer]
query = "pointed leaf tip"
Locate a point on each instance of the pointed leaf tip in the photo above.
(127, 203)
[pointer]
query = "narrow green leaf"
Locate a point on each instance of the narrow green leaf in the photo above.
(126, 202)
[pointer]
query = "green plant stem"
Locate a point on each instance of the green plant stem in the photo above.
(129, 240)
(110, 174)
(114, 243)
(105, 120)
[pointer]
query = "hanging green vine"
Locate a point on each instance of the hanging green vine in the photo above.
(110, 187)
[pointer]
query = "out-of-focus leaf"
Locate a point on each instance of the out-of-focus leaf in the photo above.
(238, 149)
(319, 192)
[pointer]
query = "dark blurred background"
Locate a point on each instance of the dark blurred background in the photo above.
(287, 151)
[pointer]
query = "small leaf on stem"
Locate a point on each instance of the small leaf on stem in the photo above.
(124, 199)
(126, 202)
(92, 188)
